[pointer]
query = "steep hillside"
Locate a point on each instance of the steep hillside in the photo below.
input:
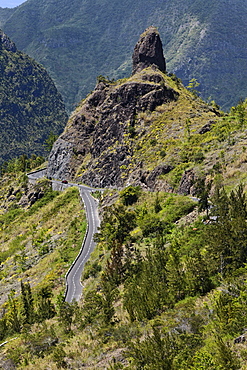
(165, 287)
(79, 40)
(5, 14)
(135, 130)
(30, 106)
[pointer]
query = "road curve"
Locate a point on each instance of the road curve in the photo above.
(73, 276)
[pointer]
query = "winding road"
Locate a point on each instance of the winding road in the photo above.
(73, 276)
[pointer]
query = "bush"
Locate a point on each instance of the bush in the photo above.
(130, 195)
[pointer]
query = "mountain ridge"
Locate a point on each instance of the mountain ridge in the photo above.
(80, 40)
(114, 136)
(30, 106)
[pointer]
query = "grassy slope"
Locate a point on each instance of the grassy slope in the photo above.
(170, 135)
(193, 321)
(38, 243)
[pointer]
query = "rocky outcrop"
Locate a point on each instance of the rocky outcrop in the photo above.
(6, 42)
(187, 183)
(98, 143)
(207, 127)
(95, 146)
(148, 51)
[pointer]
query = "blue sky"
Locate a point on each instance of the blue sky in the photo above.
(10, 3)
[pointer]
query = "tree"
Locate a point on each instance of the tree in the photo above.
(45, 307)
(240, 113)
(175, 276)
(116, 225)
(13, 319)
(203, 192)
(130, 195)
(65, 315)
(225, 358)
(108, 294)
(145, 292)
(157, 205)
(227, 235)
(27, 302)
(114, 271)
(193, 84)
(197, 278)
(50, 141)
(156, 352)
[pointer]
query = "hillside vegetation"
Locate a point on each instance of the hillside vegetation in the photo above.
(30, 107)
(163, 148)
(79, 40)
(165, 287)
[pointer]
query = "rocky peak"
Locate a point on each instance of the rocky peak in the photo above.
(6, 42)
(99, 146)
(148, 51)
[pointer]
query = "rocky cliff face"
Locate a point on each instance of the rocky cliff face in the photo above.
(148, 51)
(119, 134)
(97, 145)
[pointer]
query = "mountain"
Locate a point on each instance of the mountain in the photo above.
(129, 131)
(79, 40)
(30, 106)
(5, 13)
(165, 287)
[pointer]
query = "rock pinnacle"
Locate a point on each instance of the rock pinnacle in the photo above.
(148, 51)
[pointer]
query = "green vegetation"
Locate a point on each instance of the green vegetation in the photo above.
(158, 294)
(165, 287)
(40, 239)
(30, 106)
(72, 41)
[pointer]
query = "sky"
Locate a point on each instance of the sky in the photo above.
(10, 3)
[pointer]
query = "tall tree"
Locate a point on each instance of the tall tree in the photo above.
(227, 235)
(27, 302)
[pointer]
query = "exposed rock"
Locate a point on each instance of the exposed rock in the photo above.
(60, 158)
(33, 193)
(187, 183)
(148, 51)
(207, 127)
(6, 363)
(93, 146)
(6, 42)
(159, 170)
(240, 339)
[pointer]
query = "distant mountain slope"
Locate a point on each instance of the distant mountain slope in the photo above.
(80, 39)
(5, 13)
(30, 106)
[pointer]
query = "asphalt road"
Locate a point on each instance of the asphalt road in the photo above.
(73, 276)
